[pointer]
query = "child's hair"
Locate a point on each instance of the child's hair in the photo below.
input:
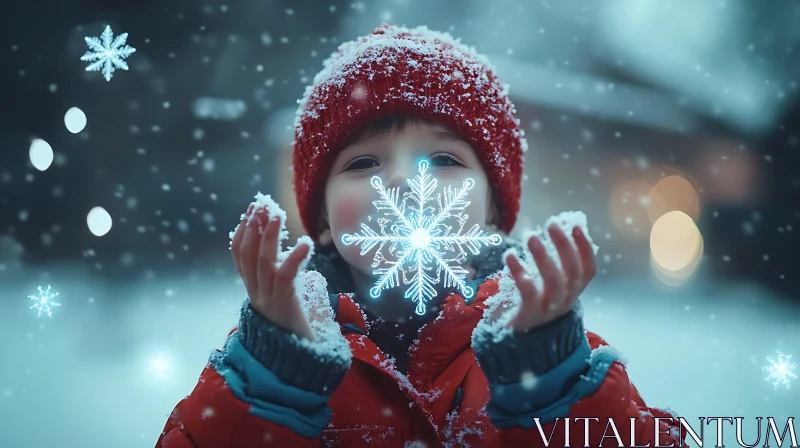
(395, 73)
(383, 126)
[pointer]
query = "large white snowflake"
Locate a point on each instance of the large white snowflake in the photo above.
(109, 54)
(780, 371)
(43, 302)
(422, 248)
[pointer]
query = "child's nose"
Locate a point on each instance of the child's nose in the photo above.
(398, 178)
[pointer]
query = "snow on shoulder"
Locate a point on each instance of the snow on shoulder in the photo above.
(504, 305)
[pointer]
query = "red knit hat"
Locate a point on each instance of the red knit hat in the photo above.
(400, 71)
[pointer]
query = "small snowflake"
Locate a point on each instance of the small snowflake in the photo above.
(109, 54)
(43, 303)
(528, 380)
(418, 239)
(780, 371)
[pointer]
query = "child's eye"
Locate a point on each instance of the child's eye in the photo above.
(361, 164)
(445, 159)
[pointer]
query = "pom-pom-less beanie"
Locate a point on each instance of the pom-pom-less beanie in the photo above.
(400, 71)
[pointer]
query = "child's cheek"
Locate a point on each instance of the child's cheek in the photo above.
(349, 212)
(352, 211)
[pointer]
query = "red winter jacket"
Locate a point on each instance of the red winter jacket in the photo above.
(444, 400)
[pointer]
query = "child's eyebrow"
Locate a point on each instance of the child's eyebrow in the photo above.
(448, 135)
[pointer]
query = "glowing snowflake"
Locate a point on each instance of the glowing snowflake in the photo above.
(43, 303)
(109, 54)
(780, 370)
(418, 240)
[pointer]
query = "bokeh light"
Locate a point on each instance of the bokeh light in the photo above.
(99, 221)
(75, 120)
(673, 193)
(730, 176)
(41, 154)
(160, 366)
(676, 247)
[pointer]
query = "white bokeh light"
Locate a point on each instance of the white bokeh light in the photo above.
(99, 221)
(160, 366)
(41, 154)
(75, 120)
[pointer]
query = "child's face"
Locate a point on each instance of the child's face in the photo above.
(393, 156)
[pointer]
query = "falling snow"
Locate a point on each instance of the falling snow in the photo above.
(44, 304)
(780, 371)
(702, 322)
(528, 380)
(418, 240)
(109, 54)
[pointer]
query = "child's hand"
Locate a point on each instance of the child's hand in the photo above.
(270, 287)
(561, 290)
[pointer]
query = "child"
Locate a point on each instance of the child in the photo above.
(305, 368)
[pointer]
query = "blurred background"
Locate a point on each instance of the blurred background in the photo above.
(674, 125)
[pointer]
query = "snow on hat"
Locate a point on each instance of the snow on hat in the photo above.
(401, 71)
